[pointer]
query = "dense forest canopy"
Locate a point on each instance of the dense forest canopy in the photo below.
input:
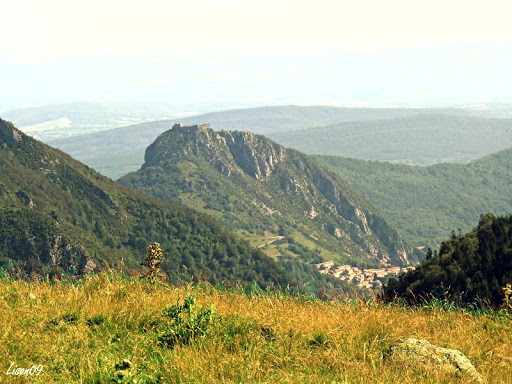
(468, 268)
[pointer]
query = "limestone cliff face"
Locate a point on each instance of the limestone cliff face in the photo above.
(254, 155)
(283, 180)
(354, 219)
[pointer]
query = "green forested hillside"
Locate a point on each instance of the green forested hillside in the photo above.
(426, 203)
(286, 202)
(422, 139)
(470, 267)
(57, 215)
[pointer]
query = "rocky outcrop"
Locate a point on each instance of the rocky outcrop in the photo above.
(421, 352)
(9, 135)
(25, 198)
(253, 154)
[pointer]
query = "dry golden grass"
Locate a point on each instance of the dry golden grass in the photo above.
(80, 331)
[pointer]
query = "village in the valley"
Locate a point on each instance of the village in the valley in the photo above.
(372, 278)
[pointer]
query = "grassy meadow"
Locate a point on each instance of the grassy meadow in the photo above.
(115, 328)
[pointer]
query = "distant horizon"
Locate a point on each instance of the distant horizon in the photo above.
(354, 104)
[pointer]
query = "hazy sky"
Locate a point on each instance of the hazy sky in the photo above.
(260, 52)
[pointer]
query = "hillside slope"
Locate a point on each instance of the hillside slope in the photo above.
(426, 203)
(471, 269)
(57, 215)
(257, 187)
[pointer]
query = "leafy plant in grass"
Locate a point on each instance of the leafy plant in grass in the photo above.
(319, 340)
(187, 323)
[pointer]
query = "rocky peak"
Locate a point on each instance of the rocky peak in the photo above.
(283, 180)
(254, 155)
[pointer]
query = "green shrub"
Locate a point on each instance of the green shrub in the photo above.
(319, 340)
(187, 323)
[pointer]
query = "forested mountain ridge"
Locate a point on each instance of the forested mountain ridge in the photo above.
(425, 203)
(57, 215)
(468, 268)
(256, 187)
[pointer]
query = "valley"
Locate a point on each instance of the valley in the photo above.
(424, 206)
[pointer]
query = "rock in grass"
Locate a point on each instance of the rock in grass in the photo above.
(421, 351)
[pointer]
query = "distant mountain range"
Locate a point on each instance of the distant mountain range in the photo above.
(399, 135)
(283, 200)
(427, 203)
(424, 203)
(423, 139)
(118, 151)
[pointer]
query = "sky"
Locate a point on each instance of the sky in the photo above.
(351, 53)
